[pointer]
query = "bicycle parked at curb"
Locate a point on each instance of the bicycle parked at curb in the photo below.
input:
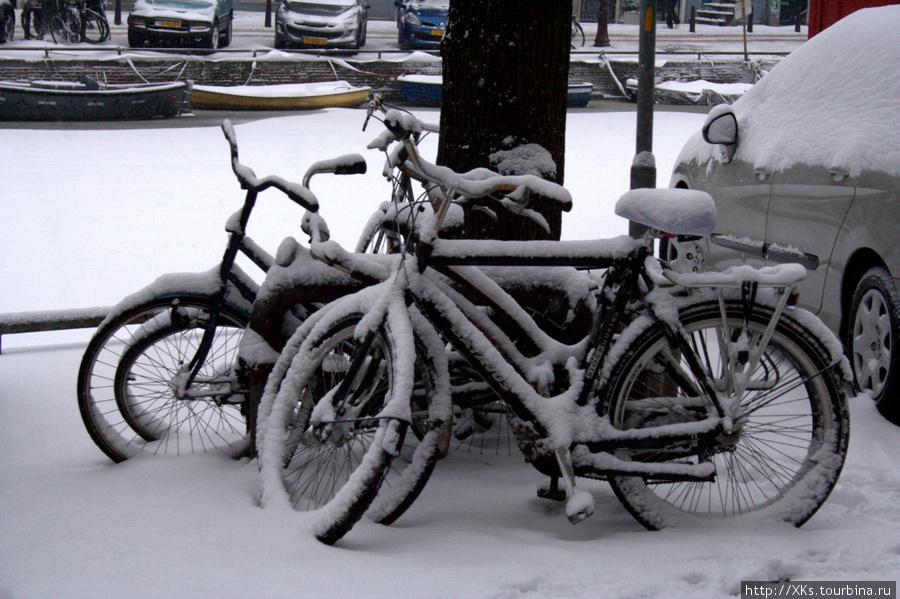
(158, 375)
(69, 22)
(703, 395)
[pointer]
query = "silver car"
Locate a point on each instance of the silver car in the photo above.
(321, 24)
(806, 167)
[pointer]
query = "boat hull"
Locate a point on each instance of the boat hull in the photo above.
(77, 102)
(277, 97)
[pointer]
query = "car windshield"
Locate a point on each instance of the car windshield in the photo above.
(434, 4)
(325, 9)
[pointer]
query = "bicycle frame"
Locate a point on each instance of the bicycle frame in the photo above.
(455, 312)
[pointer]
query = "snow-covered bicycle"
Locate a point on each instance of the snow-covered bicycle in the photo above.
(158, 376)
(693, 395)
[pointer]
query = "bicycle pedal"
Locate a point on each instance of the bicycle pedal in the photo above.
(580, 507)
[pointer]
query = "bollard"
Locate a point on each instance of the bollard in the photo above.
(693, 19)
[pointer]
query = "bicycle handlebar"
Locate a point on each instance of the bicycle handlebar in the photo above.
(479, 183)
(249, 181)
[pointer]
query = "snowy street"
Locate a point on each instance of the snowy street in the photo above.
(90, 214)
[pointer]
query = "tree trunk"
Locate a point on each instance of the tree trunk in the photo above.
(602, 39)
(505, 79)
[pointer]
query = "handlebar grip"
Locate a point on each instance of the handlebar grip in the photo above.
(249, 181)
(355, 168)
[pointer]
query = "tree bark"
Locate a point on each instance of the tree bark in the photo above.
(602, 38)
(505, 80)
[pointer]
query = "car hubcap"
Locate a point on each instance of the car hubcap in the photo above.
(872, 342)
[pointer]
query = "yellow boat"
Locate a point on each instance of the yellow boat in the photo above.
(288, 96)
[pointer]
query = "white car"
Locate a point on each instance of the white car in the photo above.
(321, 24)
(806, 167)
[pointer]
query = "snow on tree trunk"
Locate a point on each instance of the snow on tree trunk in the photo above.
(506, 70)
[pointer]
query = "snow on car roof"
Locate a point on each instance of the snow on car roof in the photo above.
(834, 101)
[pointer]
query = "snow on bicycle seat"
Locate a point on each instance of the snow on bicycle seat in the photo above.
(672, 211)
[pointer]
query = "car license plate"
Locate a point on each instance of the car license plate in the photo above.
(169, 24)
(437, 32)
(315, 41)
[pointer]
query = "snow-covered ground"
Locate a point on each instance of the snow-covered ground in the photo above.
(89, 215)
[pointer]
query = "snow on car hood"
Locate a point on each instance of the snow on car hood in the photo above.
(202, 9)
(847, 76)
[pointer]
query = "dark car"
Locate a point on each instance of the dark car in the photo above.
(7, 20)
(805, 167)
(421, 23)
(204, 23)
(321, 24)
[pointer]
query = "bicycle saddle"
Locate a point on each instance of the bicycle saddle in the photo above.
(672, 211)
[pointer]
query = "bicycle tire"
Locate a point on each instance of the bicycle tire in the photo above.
(61, 32)
(357, 459)
(96, 27)
(144, 393)
(578, 38)
(97, 401)
(792, 441)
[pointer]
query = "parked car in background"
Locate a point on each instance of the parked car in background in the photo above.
(7, 20)
(806, 167)
(321, 23)
(204, 23)
(421, 23)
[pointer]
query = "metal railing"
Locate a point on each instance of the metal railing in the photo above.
(50, 320)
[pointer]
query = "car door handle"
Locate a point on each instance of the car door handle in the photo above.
(838, 174)
(762, 173)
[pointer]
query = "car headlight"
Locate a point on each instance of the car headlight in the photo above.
(412, 18)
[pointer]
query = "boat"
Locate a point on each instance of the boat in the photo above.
(287, 96)
(421, 90)
(425, 90)
(90, 100)
(697, 93)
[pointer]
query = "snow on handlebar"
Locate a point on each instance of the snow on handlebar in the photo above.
(479, 183)
(249, 181)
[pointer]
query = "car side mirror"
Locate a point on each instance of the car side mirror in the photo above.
(721, 129)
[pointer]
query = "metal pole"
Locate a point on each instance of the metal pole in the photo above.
(643, 168)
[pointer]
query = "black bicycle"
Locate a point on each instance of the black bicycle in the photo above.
(158, 376)
(69, 21)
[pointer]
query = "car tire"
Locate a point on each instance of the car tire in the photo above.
(873, 326)
(225, 40)
(135, 39)
(212, 42)
(7, 25)
(280, 44)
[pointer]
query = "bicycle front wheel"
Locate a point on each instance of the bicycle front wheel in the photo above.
(65, 28)
(341, 467)
(96, 27)
(790, 437)
(129, 373)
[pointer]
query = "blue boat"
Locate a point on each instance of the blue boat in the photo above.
(425, 90)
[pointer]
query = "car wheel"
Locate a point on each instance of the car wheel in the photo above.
(874, 323)
(280, 44)
(212, 42)
(7, 26)
(226, 36)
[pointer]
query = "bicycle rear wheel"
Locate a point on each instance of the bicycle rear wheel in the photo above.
(64, 28)
(156, 337)
(356, 461)
(96, 27)
(790, 440)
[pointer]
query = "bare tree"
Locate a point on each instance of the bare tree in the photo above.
(506, 71)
